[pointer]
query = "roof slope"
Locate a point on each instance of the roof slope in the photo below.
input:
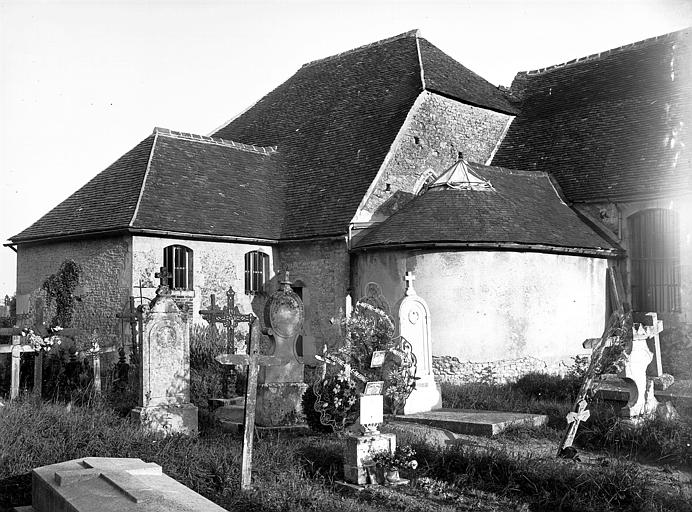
(523, 210)
(105, 203)
(191, 185)
(614, 125)
(336, 119)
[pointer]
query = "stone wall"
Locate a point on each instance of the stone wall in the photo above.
(322, 269)
(103, 288)
(496, 305)
(615, 217)
(451, 370)
(217, 265)
(437, 130)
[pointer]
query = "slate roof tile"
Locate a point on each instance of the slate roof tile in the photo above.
(523, 209)
(617, 125)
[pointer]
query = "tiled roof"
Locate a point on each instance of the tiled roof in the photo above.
(522, 211)
(616, 125)
(335, 120)
(188, 184)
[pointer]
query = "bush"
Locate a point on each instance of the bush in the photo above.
(676, 351)
(541, 386)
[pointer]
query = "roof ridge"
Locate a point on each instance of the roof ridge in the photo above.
(605, 53)
(411, 33)
(215, 140)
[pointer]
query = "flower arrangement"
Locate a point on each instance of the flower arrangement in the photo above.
(39, 342)
(402, 458)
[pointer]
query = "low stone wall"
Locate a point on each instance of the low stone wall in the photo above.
(450, 369)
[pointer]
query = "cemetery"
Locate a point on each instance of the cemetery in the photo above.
(368, 428)
(451, 324)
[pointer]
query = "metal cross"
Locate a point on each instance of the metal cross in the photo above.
(409, 283)
(213, 314)
(231, 318)
(253, 360)
(134, 317)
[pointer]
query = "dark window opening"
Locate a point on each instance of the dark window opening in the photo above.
(256, 271)
(655, 258)
(178, 261)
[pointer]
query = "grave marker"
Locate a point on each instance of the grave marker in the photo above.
(212, 315)
(253, 360)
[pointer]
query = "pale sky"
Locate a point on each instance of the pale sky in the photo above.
(82, 82)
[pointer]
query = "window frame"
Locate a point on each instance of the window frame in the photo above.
(256, 272)
(179, 262)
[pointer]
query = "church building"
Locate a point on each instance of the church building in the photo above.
(507, 205)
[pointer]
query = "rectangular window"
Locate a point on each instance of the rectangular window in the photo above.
(178, 261)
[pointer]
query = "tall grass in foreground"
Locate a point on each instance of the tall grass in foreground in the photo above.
(297, 473)
(667, 441)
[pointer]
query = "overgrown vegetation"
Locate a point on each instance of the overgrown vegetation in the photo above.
(296, 474)
(60, 288)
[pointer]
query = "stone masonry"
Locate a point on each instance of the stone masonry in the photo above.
(449, 369)
(438, 130)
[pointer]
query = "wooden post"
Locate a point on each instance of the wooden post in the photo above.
(16, 360)
(252, 360)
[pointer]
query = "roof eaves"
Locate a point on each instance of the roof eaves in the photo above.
(506, 246)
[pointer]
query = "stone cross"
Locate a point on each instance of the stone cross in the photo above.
(253, 360)
(409, 278)
(162, 275)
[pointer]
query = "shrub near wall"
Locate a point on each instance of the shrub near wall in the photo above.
(676, 351)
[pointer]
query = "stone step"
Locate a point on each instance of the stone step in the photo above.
(473, 422)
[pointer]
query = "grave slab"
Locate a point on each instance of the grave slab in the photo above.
(111, 484)
(473, 422)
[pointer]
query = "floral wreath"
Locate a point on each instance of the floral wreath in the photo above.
(45, 343)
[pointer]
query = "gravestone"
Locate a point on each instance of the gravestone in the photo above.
(414, 327)
(640, 361)
(281, 387)
(164, 374)
(111, 484)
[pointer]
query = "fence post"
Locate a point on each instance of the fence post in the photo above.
(38, 373)
(16, 360)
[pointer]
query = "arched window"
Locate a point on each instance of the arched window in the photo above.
(178, 261)
(655, 258)
(256, 271)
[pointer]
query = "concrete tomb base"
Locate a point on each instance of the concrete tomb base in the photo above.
(357, 453)
(426, 397)
(279, 404)
(182, 418)
(111, 485)
(473, 422)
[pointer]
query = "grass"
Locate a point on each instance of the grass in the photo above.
(298, 473)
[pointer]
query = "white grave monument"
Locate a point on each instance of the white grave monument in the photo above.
(111, 485)
(414, 326)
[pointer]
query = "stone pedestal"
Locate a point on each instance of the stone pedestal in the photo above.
(281, 387)
(279, 404)
(414, 326)
(164, 377)
(358, 451)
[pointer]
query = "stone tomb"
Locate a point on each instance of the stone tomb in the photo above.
(281, 387)
(164, 385)
(414, 326)
(111, 484)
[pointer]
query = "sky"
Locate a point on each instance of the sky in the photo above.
(82, 82)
